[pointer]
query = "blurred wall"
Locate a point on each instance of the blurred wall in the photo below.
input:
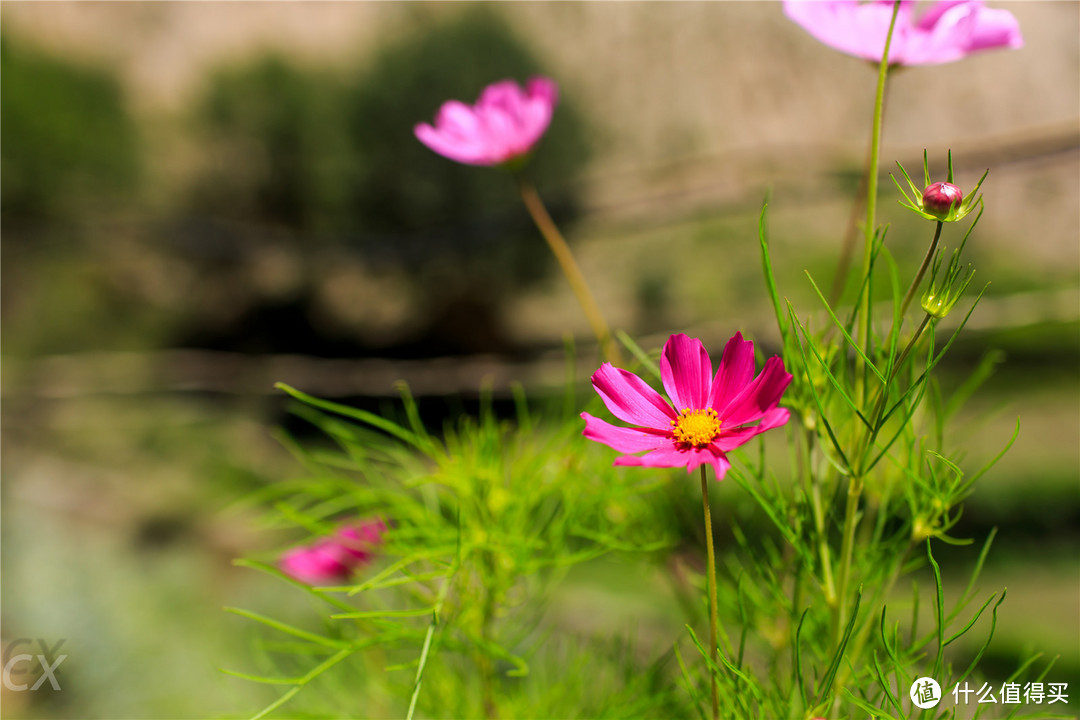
(666, 79)
(691, 107)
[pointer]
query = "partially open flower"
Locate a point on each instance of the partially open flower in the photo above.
(335, 558)
(502, 127)
(945, 31)
(708, 415)
(940, 201)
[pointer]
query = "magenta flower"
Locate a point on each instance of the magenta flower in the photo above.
(504, 124)
(708, 415)
(335, 558)
(947, 30)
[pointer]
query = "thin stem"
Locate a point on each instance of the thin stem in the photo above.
(855, 484)
(714, 615)
(847, 248)
(483, 659)
(879, 408)
(861, 634)
(851, 521)
(824, 552)
(570, 268)
(922, 271)
(823, 541)
(872, 179)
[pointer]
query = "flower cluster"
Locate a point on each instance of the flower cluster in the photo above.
(711, 414)
(335, 558)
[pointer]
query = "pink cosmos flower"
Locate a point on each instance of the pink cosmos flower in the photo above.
(333, 559)
(708, 415)
(504, 124)
(947, 30)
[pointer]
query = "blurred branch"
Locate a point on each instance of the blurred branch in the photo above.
(736, 178)
(128, 373)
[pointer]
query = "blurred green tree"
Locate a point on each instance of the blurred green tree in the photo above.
(275, 144)
(335, 162)
(68, 144)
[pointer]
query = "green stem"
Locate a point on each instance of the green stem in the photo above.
(483, 659)
(847, 248)
(570, 268)
(919, 275)
(823, 543)
(879, 408)
(714, 615)
(851, 521)
(855, 484)
(872, 181)
(819, 524)
(862, 634)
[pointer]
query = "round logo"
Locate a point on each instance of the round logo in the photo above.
(925, 693)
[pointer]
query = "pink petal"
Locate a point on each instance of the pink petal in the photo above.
(735, 371)
(630, 399)
(947, 31)
(463, 151)
(930, 17)
(543, 95)
(946, 39)
(321, 563)
(359, 541)
(504, 124)
(505, 95)
(995, 28)
(671, 455)
(501, 133)
(667, 455)
(512, 121)
(852, 27)
(536, 116)
(457, 119)
(686, 370)
(543, 89)
(759, 396)
(729, 440)
(625, 440)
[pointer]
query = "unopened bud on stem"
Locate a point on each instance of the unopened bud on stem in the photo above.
(941, 198)
(940, 201)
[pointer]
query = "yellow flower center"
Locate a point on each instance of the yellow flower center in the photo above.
(695, 428)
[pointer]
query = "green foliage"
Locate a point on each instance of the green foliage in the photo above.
(873, 437)
(488, 515)
(485, 520)
(67, 140)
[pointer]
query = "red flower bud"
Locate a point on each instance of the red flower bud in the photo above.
(941, 198)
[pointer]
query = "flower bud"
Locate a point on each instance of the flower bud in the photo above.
(940, 201)
(940, 198)
(937, 305)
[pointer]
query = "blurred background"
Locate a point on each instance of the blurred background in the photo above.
(200, 199)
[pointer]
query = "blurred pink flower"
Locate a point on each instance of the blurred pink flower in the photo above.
(947, 30)
(333, 559)
(710, 415)
(504, 124)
